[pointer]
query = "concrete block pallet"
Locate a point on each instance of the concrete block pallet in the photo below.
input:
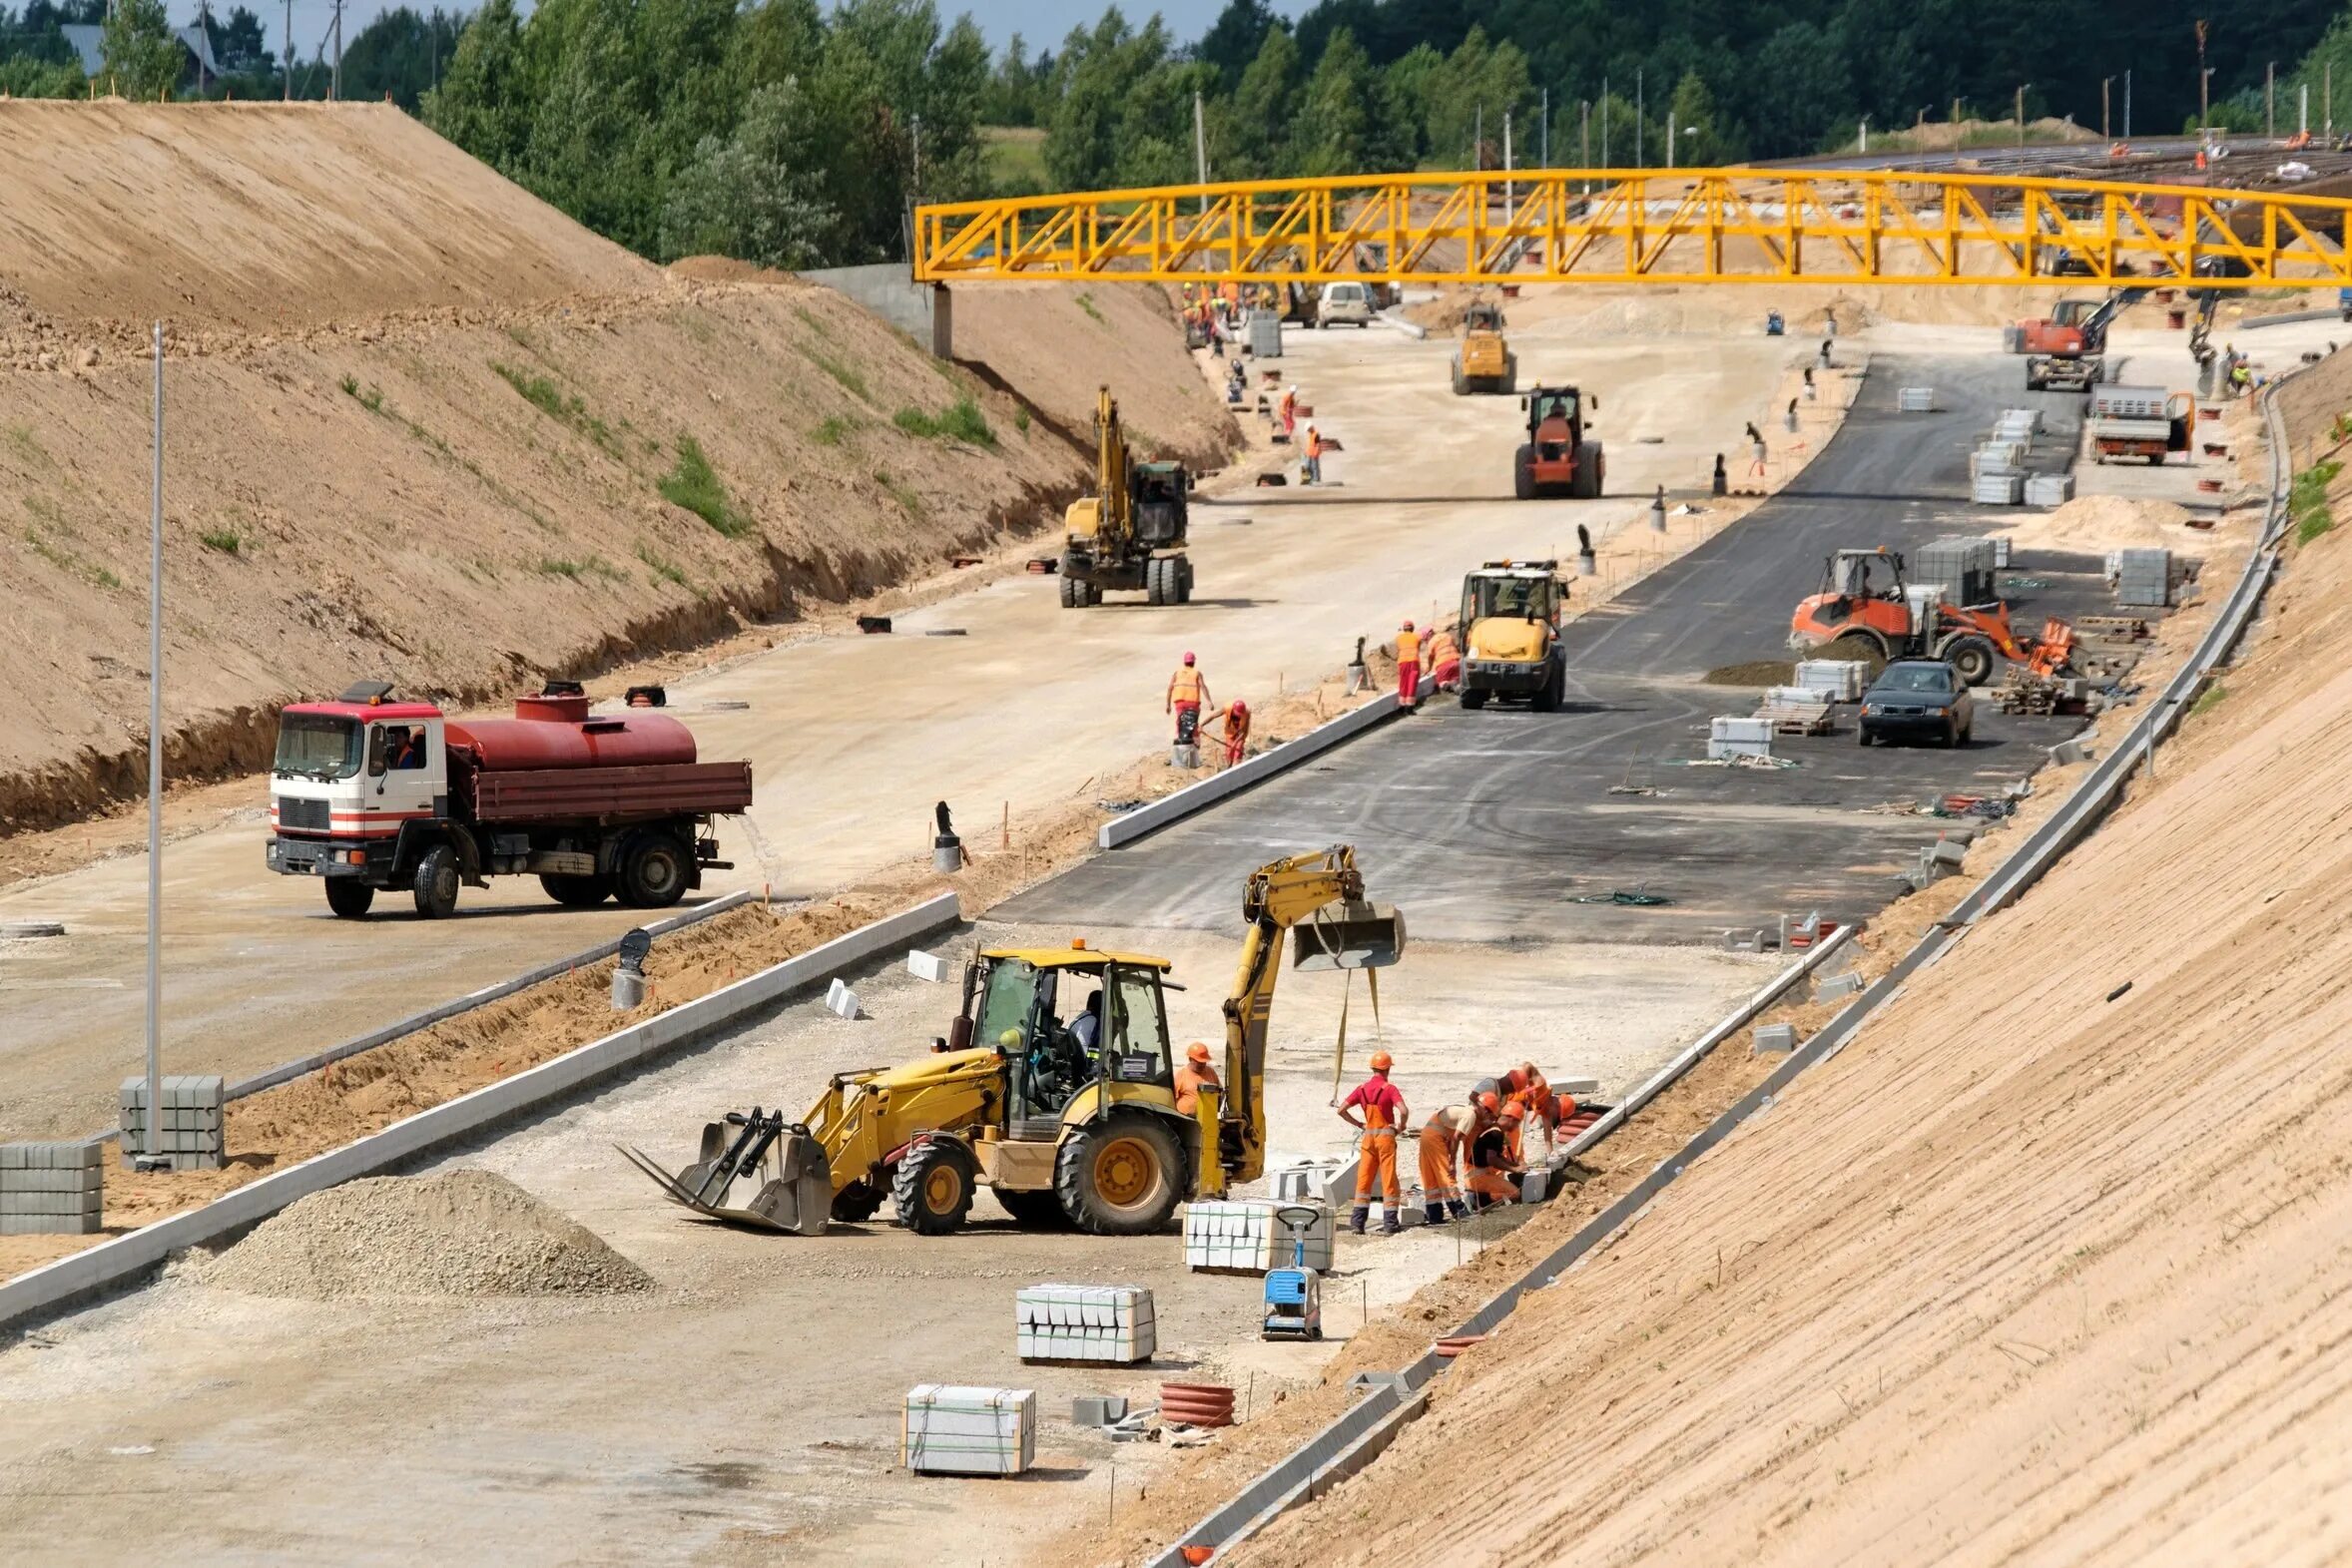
(1730, 736)
(1111, 1323)
(2049, 489)
(1245, 1238)
(1842, 678)
(949, 1430)
(189, 1131)
(51, 1188)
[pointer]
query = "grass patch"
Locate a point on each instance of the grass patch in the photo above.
(551, 400)
(664, 570)
(2307, 501)
(228, 541)
(67, 561)
(104, 578)
(851, 382)
(907, 500)
(961, 420)
(26, 445)
(371, 399)
(694, 484)
(813, 321)
(573, 570)
(1086, 304)
(1015, 157)
(2209, 700)
(1020, 420)
(834, 431)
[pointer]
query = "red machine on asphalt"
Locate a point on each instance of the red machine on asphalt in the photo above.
(1557, 458)
(370, 794)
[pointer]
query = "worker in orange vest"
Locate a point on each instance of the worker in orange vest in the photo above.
(1382, 1112)
(1186, 693)
(1288, 410)
(1443, 1140)
(1444, 658)
(1237, 732)
(1492, 1170)
(1409, 666)
(1311, 466)
(1195, 1075)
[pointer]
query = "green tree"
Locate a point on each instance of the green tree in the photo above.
(748, 196)
(1800, 93)
(400, 53)
(488, 91)
(1235, 38)
(1263, 106)
(143, 59)
(1699, 142)
(1333, 133)
(29, 76)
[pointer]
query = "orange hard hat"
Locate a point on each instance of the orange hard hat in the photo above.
(1512, 1113)
(1382, 1061)
(1488, 1102)
(1197, 1052)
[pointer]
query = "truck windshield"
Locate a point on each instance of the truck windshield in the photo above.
(1512, 598)
(317, 745)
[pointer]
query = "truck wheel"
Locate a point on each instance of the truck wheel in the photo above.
(1461, 382)
(1972, 657)
(1069, 593)
(652, 871)
(1159, 583)
(933, 1186)
(1547, 696)
(436, 883)
(578, 893)
(1585, 486)
(1184, 580)
(1123, 1176)
(1525, 487)
(347, 898)
(1472, 699)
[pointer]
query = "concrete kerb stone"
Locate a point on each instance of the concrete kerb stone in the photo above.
(121, 1261)
(1192, 798)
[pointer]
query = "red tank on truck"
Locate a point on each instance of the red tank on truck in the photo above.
(372, 794)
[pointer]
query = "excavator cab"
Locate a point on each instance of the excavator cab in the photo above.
(1162, 504)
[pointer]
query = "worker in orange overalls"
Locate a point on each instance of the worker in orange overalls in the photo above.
(1491, 1172)
(1444, 658)
(1195, 1075)
(1382, 1106)
(1409, 666)
(1187, 691)
(1236, 732)
(1288, 410)
(1443, 1140)
(1311, 465)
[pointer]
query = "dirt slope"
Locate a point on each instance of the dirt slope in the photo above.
(450, 473)
(2032, 1271)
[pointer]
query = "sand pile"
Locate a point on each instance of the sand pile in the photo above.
(462, 1232)
(2098, 523)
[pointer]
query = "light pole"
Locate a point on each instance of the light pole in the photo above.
(2106, 132)
(1688, 130)
(155, 788)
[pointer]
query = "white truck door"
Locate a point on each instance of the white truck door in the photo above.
(407, 773)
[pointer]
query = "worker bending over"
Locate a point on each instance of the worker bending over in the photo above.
(1492, 1175)
(1383, 1113)
(1195, 1075)
(1187, 691)
(1442, 1143)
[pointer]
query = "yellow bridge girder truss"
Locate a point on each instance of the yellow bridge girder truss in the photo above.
(1697, 226)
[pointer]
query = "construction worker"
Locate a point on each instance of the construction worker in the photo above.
(1383, 1113)
(1443, 657)
(1288, 410)
(1195, 1075)
(1442, 1141)
(1490, 1172)
(1236, 732)
(1187, 691)
(1407, 665)
(1311, 465)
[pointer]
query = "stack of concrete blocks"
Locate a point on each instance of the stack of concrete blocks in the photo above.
(928, 966)
(1915, 400)
(2143, 578)
(52, 1188)
(1085, 1322)
(1804, 702)
(1265, 338)
(1308, 1181)
(947, 1430)
(190, 1127)
(1730, 736)
(1775, 1037)
(1245, 1238)
(1997, 474)
(1961, 566)
(2049, 489)
(1842, 678)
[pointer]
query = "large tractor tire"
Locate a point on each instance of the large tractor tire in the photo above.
(1460, 383)
(348, 899)
(1184, 580)
(1510, 384)
(1472, 699)
(1973, 657)
(932, 1188)
(1524, 488)
(1547, 696)
(434, 884)
(1154, 582)
(653, 869)
(578, 893)
(1585, 486)
(856, 1203)
(1072, 592)
(1035, 1210)
(1123, 1176)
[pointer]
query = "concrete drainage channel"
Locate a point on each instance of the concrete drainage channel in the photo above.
(125, 1259)
(1390, 1401)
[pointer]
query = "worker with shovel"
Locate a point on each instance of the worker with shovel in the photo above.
(1382, 1112)
(1187, 691)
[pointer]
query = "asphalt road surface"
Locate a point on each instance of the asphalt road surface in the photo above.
(1491, 826)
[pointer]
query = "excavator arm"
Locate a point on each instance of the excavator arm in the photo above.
(1322, 896)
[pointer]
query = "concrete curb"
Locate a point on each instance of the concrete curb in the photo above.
(118, 1261)
(1266, 764)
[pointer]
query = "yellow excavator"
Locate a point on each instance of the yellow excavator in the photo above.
(1130, 533)
(1069, 1123)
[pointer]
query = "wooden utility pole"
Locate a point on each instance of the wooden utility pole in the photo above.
(2271, 101)
(2021, 117)
(2104, 131)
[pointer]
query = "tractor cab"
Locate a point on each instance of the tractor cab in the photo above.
(1484, 315)
(1162, 505)
(1078, 1030)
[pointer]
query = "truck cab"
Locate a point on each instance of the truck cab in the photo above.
(347, 777)
(1511, 614)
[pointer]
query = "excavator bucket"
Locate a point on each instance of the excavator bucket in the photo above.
(754, 1171)
(1349, 935)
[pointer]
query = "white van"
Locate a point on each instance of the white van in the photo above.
(1349, 303)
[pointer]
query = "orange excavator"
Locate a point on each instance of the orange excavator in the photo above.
(1866, 611)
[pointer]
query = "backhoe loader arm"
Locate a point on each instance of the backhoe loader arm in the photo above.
(1111, 464)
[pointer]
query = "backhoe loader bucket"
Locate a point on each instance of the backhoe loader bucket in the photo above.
(1349, 936)
(754, 1171)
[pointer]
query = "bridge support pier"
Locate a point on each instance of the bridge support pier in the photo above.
(942, 323)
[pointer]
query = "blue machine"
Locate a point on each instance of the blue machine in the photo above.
(1773, 326)
(1294, 1296)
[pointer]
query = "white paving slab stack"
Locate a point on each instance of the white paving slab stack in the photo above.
(2049, 489)
(1915, 400)
(1842, 678)
(1245, 1238)
(1733, 736)
(51, 1188)
(190, 1127)
(1997, 489)
(1085, 1322)
(949, 1429)
(2143, 578)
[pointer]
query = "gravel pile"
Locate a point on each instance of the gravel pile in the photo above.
(461, 1232)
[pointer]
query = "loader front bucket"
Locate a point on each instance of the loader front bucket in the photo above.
(754, 1170)
(1349, 936)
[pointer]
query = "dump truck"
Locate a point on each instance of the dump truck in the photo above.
(370, 794)
(1129, 534)
(1510, 634)
(2138, 421)
(1484, 363)
(1557, 458)
(1866, 611)
(1067, 1123)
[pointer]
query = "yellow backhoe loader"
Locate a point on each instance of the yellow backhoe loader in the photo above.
(1130, 533)
(1069, 1123)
